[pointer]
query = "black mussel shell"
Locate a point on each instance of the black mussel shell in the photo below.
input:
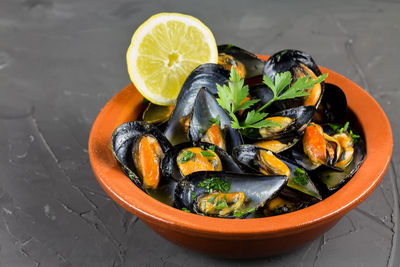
(124, 139)
(333, 107)
(289, 60)
(247, 155)
(258, 189)
(206, 110)
(335, 179)
(262, 92)
(170, 166)
(288, 141)
(208, 76)
(254, 66)
(301, 117)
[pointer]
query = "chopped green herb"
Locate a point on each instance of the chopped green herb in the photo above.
(243, 212)
(229, 46)
(212, 148)
(202, 131)
(221, 203)
(186, 156)
(334, 127)
(216, 184)
(354, 136)
(203, 207)
(206, 154)
(345, 128)
(211, 200)
(217, 121)
(186, 210)
(193, 195)
(277, 211)
(278, 56)
(300, 177)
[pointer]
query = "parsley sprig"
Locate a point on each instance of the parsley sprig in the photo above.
(232, 97)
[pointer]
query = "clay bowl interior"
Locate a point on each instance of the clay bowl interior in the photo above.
(249, 237)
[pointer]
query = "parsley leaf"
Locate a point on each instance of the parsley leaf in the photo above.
(216, 184)
(212, 148)
(300, 177)
(206, 154)
(283, 80)
(186, 156)
(221, 203)
(232, 97)
(243, 212)
(186, 210)
(193, 195)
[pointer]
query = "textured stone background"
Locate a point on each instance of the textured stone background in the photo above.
(60, 61)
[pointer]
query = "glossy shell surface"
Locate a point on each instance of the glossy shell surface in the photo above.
(265, 236)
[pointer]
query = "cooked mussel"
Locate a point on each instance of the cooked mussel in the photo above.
(204, 76)
(278, 145)
(188, 158)
(228, 195)
(247, 64)
(350, 160)
(261, 160)
(139, 148)
(318, 148)
(290, 122)
(300, 64)
(210, 123)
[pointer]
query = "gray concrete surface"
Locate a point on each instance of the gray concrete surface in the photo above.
(60, 61)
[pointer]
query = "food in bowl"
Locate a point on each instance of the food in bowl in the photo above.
(244, 151)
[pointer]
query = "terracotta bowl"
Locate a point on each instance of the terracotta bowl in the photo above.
(249, 237)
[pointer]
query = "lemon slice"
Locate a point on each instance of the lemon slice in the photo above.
(163, 52)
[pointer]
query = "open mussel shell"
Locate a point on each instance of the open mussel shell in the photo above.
(258, 189)
(207, 111)
(297, 153)
(156, 114)
(170, 167)
(300, 116)
(335, 179)
(253, 65)
(291, 60)
(204, 76)
(279, 145)
(333, 107)
(123, 142)
(247, 155)
(288, 59)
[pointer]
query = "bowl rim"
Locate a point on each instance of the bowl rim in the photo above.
(116, 184)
